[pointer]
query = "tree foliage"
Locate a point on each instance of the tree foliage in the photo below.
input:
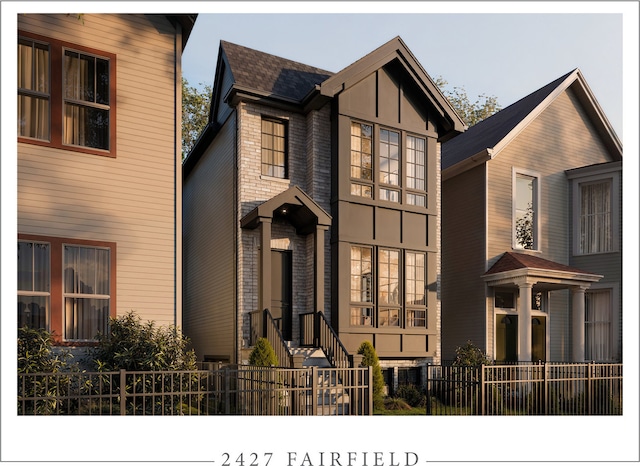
(370, 358)
(136, 346)
(36, 353)
(263, 354)
(195, 113)
(470, 355)
(471, 112)
(524, 228)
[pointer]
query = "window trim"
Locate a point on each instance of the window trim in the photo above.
(515, 172)
(285, 125)
(56, 267)
(56, 98)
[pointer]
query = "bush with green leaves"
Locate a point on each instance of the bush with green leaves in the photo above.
(370, 358)
(263, 354)
(412, 395)
(470, 355)
(134, 345)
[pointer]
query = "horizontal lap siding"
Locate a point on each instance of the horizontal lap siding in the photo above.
(463, 237)
(129, 200)
(209, 249)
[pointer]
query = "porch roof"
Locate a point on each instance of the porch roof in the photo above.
(513, 268)
(294, 205)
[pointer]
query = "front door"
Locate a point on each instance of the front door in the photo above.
(538, 338)
(281, 290)
(506, 337)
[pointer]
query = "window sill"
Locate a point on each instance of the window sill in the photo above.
(275, 179)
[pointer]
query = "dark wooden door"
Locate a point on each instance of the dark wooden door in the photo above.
(282, 290)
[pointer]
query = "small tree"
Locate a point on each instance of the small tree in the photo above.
(370, 358)
(470, 355)
(263, 354)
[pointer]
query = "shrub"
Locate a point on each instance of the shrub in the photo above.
(370, 358)
(412, 395)
(36, 353)
(470, 355)
(136, 346)
(396, 404)
(263, 354)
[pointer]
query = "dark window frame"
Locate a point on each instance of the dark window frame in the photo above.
(264, 151)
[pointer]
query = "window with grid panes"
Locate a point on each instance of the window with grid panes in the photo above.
(274, 148)
(361, 162)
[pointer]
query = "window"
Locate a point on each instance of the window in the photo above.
(504, 300)
(66, 286)
(65, 95)
(388, 287)
(595, 217)
(525, 211)
(274, 148)
(389, 158)
(416, 170)
(415, 285)
(33, 89)
(598, 325)
(34, 279)
(361, 285)
(361, 168)
(86, 292)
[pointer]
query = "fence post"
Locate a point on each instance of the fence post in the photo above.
(123, 392)
(370, 369)
(587, 389)
(227, 404)
(483, 408)
(314, 390)
(427, 389)
(545, 388)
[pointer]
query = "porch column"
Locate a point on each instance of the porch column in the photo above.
(318, 286)
(264, 279)
(524, 321)
(577, 319)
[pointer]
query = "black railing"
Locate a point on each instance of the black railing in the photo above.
(315, 331)
(262, 324)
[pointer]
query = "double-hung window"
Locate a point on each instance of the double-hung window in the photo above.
(361, 162)
(86, 292)
(66, 95)
(525, 211)
(34, 284)
(598, 326)
(274, 148)
(596, 233)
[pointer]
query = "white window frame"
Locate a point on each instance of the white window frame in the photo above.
(614, 177)
(536, 207)
(38, 293)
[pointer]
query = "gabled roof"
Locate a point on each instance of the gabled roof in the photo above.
(486, 139)
(269, 75)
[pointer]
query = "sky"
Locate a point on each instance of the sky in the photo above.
(506, 55)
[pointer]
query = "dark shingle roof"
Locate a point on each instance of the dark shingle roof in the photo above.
(275, 76)
(513, 261)
(492, 130)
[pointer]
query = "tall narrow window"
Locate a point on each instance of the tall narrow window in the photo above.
(86, 292)
(595, 217)
(86, 100)
(415, 285)
(361, 166)
(388, 287)
(389, 157)
(361, 285)
(525, 212)
(34, 277)
(34, 99)
(598, 325)
(274, 148)
(416, 171)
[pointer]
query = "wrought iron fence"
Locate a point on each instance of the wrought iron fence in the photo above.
(236, 390)
(525, 389)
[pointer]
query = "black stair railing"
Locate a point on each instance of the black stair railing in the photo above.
(272, 333)
(327, 339)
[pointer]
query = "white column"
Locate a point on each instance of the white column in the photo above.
(524, 322)
(577, 319)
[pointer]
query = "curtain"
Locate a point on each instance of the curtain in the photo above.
(596, 217)
(598, 325)
(33, 90)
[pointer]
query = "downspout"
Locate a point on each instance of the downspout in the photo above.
(177, 233)
(236, 226)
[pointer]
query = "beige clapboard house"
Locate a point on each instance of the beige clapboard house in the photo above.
(99, 176)
(316, 195)
(532, 231)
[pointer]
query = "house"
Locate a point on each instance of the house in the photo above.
(316, 195)
(99, 170)
(531, 228)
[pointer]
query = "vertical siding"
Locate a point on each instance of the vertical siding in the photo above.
(209, 249)
(129, 200)
(463, 261)
(560, 138)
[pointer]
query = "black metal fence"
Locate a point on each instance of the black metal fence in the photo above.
(525, 389)
(235, 390)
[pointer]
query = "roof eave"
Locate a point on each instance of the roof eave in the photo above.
(467, 164)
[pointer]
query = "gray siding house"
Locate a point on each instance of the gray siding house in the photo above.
(317, 192)
(531, 231)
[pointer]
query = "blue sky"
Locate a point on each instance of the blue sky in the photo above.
(506, 55)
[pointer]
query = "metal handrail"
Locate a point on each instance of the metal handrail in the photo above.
(273, 334)
(327, 339)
